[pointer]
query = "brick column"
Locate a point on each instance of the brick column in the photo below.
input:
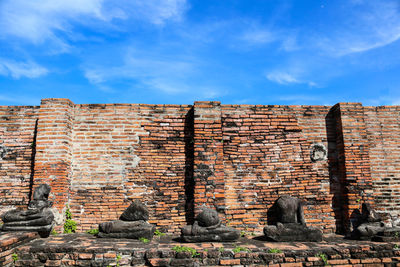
(353, 158)
(53, 148)
(208, 173)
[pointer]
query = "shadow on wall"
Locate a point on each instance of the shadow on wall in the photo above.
(272, 214)
(337, 186)
(33, 160)
(189, 162)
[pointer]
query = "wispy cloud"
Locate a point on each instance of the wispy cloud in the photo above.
(155, 73)
(53, 21)
(285, 78)
(258, 36)
(371, 24)
(168, 75)
(21, 69)
(155, 11)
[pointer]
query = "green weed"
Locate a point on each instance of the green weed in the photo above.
(186, 249)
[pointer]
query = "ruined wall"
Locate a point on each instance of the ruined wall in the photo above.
(126, 152)
(266, 155)
(17, 135)
(237, 159)
(383, 128)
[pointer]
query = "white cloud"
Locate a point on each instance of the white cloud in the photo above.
(372, 24)
(258, 36)
(21, 69)
(155, 73)
(281, 77)
(39, 21)
(255, 33)
(49, 20)
(286, 78)
(156, 11)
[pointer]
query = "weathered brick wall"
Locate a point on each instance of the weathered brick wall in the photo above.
(177, 158)
(318, 126)
(17, 135)
(125, 152)
(383, 128)
(53, 149)
(267, 154)
(208, 157)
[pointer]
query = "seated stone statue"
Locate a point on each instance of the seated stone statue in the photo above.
(132, 224)
(37, 218)
(208, 227)
(371, 227)
(291, 225)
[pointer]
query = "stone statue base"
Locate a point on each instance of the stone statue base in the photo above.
(292, 232)
(32, 220)
(388, 235)
(376, 231)
(44, 231)
(126, 229)
(195, 233)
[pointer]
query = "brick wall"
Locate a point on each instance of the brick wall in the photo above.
(237, 159)
(267, 154)
(17, 136)
(53, 148)
(208, 157)
(125, 152)
(383, 130)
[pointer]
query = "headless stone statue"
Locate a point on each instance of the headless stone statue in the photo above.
(207, 227)
(37, 218)
(132, 224)
(291, 225)
(371, 227)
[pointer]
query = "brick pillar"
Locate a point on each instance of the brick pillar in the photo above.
(208, 173)
(353, 158)
(53, 148)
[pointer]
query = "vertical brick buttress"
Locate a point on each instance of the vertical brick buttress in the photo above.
(53, 148)
(208, 173)
(353, 158)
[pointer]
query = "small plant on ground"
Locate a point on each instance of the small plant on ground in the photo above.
(14, 257)
(69, 225)
(396, 246)
(246, 233)
(53, 232)
(144, 240)
(93, 231)
(240, 249)
(274, 250)
(323, 257)
(186, 249)
(117, 259)
(221, 249)
(158, 233)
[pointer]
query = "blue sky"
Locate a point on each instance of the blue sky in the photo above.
(316, 52)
